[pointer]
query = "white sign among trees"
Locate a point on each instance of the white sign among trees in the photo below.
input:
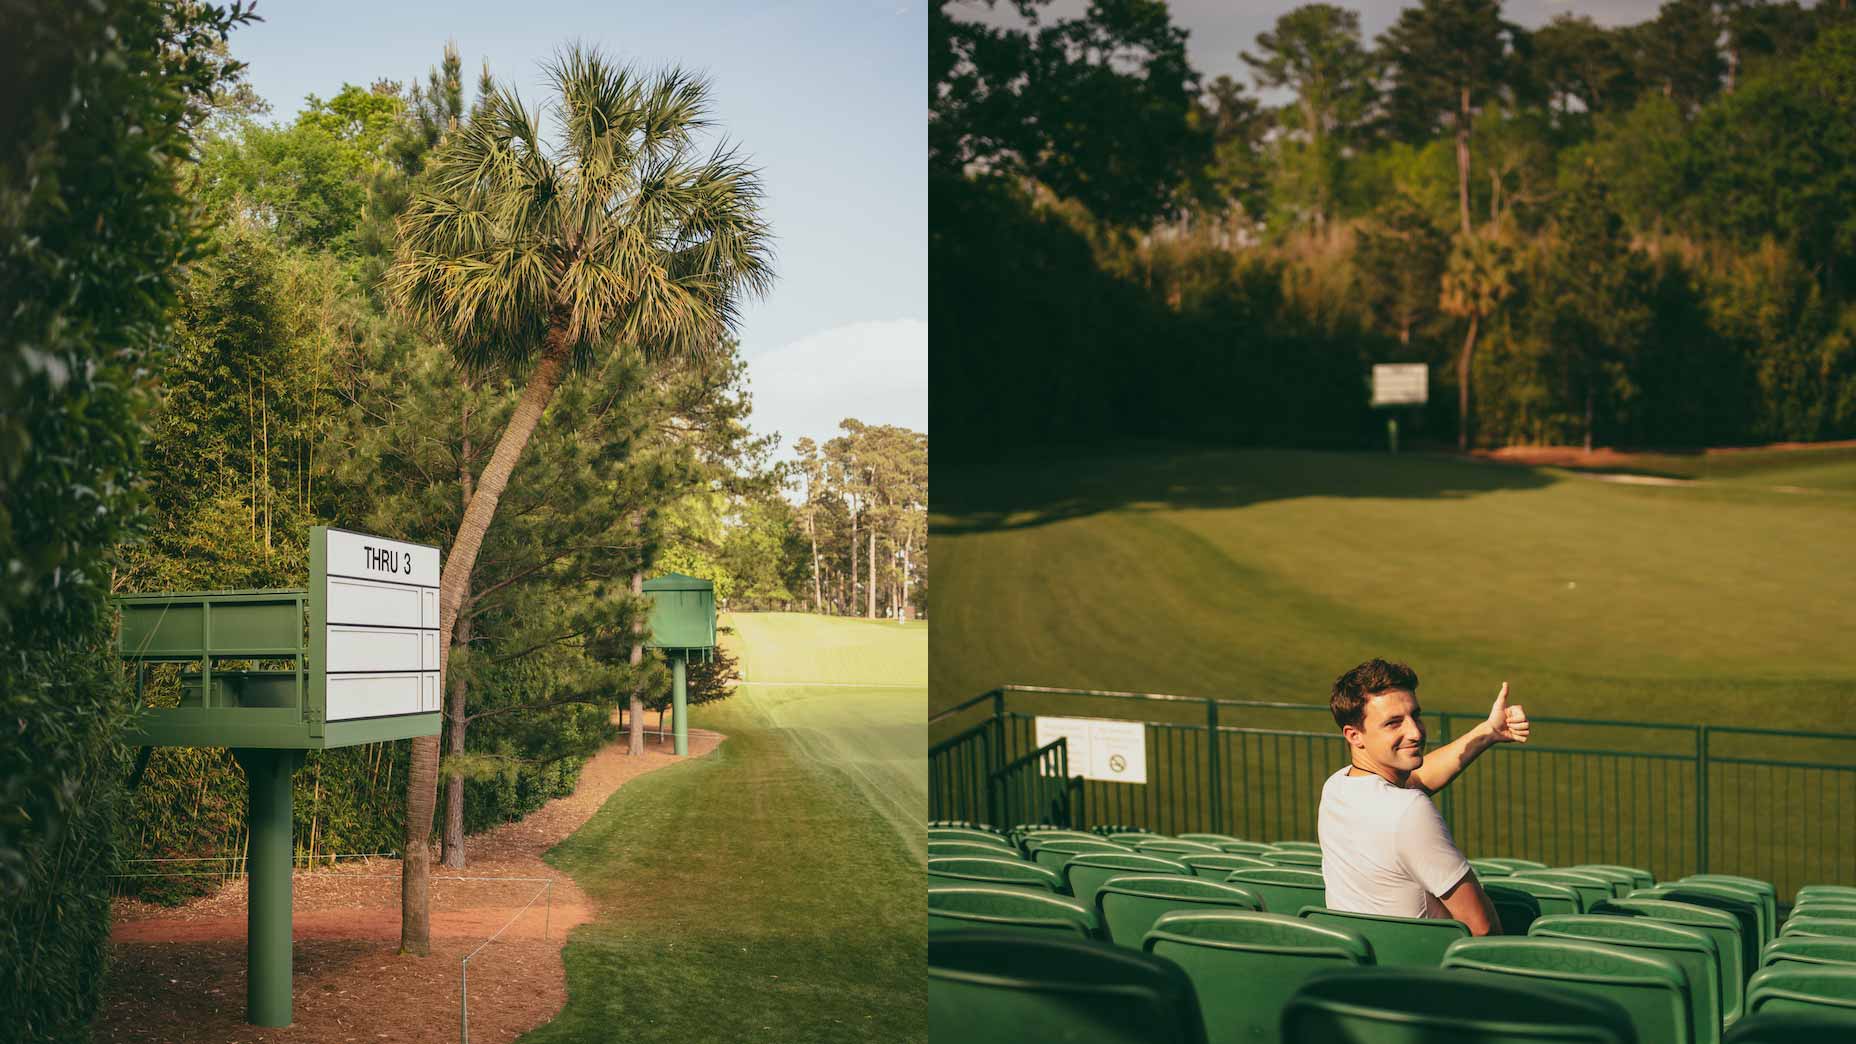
(1401, 384)
(381, 630)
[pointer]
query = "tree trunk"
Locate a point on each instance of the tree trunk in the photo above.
(422, 776)
(1462, 158)
(818, 595)
(635, 744)
(457, 692)
(870, 600)
(456, 696)
(1588, 416)
(1462, 387)
(850, 597)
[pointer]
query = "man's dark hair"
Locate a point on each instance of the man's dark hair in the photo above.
(1348, 700)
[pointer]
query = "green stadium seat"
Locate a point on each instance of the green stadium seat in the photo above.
(1517, 864)
(1516, 910)
(1021, 835)
(1411, 941)
(1807, 990)
(996, 871)
(970, 848)
(995, 988)
(1832, 927)
(1552, 898)
(1084, 874)
(962, 834)
(1249, 848)
(1172, 847)
(1058, 851)
(1133, 837)
(1721, 896)
(1245, 966)
(1765, 889)
(1651, 988)
(1823, 908)
(1690, 948)
(1311, 860)
(964, 907)
(1211, 839)
(1434, 1006)
(1808, 949)
(1792, 1028)
(1623, 882)
(1284, 889)
(1642, 878)
(1128, 906)
(1726, 929)
(1297, 846)
(1835, 893)
(1484, 868)
(1218, 866)
(1591, 888)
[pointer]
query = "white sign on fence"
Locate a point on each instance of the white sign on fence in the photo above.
(1401, 384)
(382, 628)
(1114, 751)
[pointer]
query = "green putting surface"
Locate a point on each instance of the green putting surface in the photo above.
(771, 890)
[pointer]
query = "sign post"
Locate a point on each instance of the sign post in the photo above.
(1399, 384)
(682, 621)
(361, 644)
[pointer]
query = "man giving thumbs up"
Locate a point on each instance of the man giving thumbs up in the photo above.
(1384, 848)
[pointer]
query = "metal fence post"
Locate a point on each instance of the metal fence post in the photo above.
(1213, 773)
(1701, 801)
(1443, 723)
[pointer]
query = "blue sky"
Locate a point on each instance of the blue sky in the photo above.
(827, 99)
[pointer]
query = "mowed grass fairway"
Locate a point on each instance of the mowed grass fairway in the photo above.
(1264, 574)
(771, 890)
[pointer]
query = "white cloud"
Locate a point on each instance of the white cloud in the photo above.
(876, 372)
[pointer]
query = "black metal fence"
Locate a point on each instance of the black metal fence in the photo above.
(1674, 799)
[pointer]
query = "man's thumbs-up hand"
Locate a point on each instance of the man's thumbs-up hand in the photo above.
(1507, 723)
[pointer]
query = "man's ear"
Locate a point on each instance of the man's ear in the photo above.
(1354, 736)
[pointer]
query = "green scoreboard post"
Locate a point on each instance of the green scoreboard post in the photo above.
(1396, 385)
(682, 622)
(354, 660)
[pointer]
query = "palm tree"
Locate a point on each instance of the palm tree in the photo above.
(1475, 281)
(539, 258)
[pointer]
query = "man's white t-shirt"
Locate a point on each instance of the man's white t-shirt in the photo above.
(1384, 849)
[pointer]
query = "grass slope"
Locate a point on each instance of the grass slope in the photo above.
(769, 891)
(1263, 574)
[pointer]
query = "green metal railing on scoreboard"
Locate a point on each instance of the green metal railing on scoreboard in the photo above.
(1777, 804)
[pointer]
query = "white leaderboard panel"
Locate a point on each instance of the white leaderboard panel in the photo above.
(382, 628)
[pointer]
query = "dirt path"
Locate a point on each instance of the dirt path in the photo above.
(177, 975)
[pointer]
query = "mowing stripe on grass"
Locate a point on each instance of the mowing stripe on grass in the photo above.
(767, 891)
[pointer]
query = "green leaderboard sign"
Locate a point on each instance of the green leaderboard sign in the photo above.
(352, 658)
(682, 621)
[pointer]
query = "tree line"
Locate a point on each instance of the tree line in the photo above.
(865, 492)
(1634, 235)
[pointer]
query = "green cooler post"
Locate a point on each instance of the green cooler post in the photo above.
(267, 925)
(679, 699)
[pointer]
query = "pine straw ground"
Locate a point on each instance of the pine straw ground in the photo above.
(177, 975)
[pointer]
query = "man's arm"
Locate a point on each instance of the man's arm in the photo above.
(1504, 724)
(1467, 902)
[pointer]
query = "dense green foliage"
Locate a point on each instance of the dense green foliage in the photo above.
(1439, 195)
(93, 227)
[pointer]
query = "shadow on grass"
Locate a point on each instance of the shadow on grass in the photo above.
(1029, 488)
